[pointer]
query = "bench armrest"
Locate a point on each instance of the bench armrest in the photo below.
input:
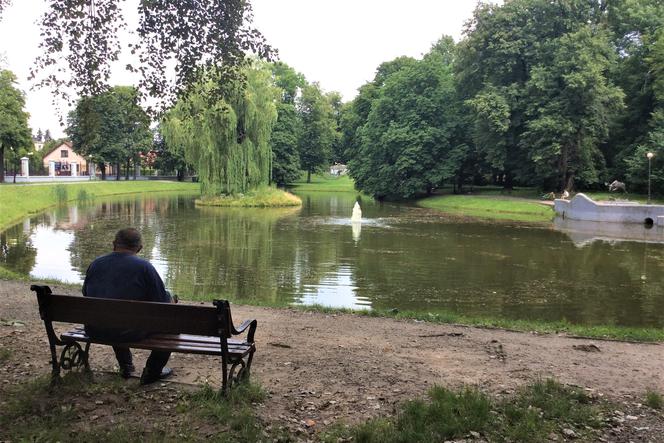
(251, 324)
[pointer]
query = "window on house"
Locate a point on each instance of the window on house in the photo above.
(64, 153)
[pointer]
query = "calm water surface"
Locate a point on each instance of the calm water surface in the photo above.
(400, 257)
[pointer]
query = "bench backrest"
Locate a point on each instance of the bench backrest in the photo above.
(149, 317)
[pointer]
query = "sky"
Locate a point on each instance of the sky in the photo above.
(338, 43)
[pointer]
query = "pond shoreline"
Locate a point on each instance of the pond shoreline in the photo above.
(22, 200)
(348, 368)
(593, 332)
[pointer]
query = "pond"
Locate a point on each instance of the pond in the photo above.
(400, 257)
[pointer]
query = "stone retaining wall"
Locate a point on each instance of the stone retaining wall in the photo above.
(582, 207)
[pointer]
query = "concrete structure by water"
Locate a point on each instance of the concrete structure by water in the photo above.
(582, 207)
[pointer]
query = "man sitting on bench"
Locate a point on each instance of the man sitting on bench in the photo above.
(123, 275)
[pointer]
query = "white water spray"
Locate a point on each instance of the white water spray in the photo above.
(357, 213)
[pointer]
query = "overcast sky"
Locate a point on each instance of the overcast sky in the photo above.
(338, 43)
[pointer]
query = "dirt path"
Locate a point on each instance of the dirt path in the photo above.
(328, 368)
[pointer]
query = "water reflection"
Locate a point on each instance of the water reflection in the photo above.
(402, 257)
(583, 232)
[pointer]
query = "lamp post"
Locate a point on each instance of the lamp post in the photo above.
(650, 155)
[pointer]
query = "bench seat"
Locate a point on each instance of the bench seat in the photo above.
(184, 343)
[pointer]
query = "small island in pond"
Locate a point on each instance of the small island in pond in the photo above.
(260, 198)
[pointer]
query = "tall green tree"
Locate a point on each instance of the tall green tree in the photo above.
(284, 142)
(14, 130)
(168, 160)
(287, 130)
(318, 129)
(408, 144)
(637, 27)
(653, 138)
(336, 102)
(572, 104)
(520, 89)
(228, 142)
(110, 128)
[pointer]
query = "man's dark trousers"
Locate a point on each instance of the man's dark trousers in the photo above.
(156, 361)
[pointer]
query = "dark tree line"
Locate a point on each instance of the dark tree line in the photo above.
(563, 94)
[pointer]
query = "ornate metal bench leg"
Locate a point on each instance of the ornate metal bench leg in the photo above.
(247, 371)
(224, 376)
(86, 361)
(55, 366)
(74, 357)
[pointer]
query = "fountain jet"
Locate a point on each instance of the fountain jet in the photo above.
(357, 213)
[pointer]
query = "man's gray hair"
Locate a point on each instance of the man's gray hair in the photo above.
(128, 238)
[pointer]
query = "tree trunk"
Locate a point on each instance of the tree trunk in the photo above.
(562, 167)
(180, 175)
(570, 183)
(102, 166)
(134, 163)
(15, 170)
(308, 176)
(118, 171)
(127, 171)
(509, 181)
(2, 164)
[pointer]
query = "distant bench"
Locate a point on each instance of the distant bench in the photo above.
(172, 327)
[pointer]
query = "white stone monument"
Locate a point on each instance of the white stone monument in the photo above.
(25, 167)
(51, 168)
(74, 169)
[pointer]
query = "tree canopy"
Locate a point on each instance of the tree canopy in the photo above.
(80, 41)
(554, 94)
(110, 127)
(407, 145)
(318, 129)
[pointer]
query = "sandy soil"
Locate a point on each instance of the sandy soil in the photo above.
(320, 369)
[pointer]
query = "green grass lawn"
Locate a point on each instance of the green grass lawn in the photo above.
(325, 182)
(19, 201)
(491, 207)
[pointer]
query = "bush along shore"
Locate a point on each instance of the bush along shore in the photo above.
(20, 201)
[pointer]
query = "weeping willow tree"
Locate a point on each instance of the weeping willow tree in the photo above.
(227, 141)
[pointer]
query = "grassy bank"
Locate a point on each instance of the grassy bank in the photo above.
(602, 332)
(265, 197)
(20, 201)
(325, 182)
(489, 207)
(83, 409)
(536, 413)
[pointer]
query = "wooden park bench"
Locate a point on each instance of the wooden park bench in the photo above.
(172, 327)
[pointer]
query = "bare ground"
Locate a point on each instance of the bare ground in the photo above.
(321, 369)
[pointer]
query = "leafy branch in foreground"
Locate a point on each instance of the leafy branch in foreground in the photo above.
(80, 41)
